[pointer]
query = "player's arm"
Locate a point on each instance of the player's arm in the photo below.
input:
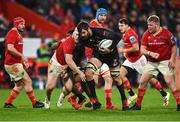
(134, 47)
(17, 54)
(173, 52)
(13, 51)
(172, 42)
(149, 53)
(73, 66)
(144, 51)
(116, 37)
(173, 56)
(144, 48)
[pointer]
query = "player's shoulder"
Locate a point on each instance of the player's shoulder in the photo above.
(146, 33)
(131, 32)
(69, 38)
(166, 31)
(13, 31)
(68, 41)
(98, 30)
(92, 22)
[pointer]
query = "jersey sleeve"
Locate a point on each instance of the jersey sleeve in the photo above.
(67, 48)
(171, 39)
(11, 37)
(133, 39)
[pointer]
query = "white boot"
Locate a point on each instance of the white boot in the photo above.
(47, 103)
(132, 98)
(60, 100)
(166, 99)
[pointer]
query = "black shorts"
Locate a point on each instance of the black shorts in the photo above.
(111, 59)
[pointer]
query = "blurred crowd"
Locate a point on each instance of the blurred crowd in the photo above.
(67, 13)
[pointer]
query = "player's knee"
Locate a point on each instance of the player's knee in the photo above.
(49, 86)
(28, 83)
(68, 87)
(108, 79)
(19, 87)
(143, 84)
(122, 74)
(118, 80)
(168, 82)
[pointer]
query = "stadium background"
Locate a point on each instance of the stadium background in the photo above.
(50, 20)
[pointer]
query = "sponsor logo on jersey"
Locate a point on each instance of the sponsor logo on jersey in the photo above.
(132, 39)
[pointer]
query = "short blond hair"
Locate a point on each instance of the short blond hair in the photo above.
(153, 18)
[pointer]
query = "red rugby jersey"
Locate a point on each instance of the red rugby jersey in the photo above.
(65, 47)
(130, 38)
(15, 38)
(161, 43)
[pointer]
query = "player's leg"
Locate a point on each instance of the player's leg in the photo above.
(158, 86)
(72, 98)
(14, 93)
(149, 71)
(77, 92)
(50, 85)
(67, 88)
(169, 78)
(30, 92)
(16, 73)
(115, 73)
(171, 84)
(54, 71)
(127, 85)
(139, 67)
(96, 80)
(91, 68)
(105, 73)
(141, 90)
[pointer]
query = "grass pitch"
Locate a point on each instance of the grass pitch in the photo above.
(152, 109)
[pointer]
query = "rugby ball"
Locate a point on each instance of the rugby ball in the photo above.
(105, 43)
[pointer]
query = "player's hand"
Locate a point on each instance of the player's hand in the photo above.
(171, 64)
(82, 76)
(104, 50)
(25, 62)
(154, 55)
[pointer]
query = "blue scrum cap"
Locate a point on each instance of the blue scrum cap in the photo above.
(101, 11)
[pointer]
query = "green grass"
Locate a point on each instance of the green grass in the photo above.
(152, 109)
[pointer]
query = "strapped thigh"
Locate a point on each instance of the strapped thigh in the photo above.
(104, 70)
(91, 66)
(115, 72)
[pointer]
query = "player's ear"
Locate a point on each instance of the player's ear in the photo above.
(75, 34)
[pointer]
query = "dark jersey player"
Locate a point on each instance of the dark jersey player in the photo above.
(105, 56)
